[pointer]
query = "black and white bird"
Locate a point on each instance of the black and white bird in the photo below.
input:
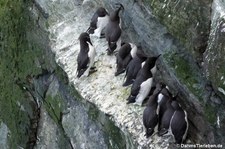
(126, 53)
(150, 114)
(152, 61)
(164, 120)
(143, 83)
(98, 22)
(133, 68)
(85, 59)
(163, 97)
(113, 31)
(179, 123)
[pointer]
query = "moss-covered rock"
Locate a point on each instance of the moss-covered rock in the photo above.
(23, 57)
(186, 73)
(189, 21)
(114, 137)
(17, 62)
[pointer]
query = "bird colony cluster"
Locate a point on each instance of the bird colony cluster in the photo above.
(162, 114)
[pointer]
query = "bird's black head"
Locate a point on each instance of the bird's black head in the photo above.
(149, 132)
(114, 16)
(119, 69)
(101, 12)
(148, 64)
(152, 100)
(140, 53)
(159, 86)
(84, 37)
(131, 99)
(80, 72)
(175, 103)
(166, 92)
(162, 131)
(152, 60)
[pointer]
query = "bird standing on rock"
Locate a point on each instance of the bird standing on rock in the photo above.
(150, 114)
(98, 22)
(178, 123)
(143, 83)
(126, 53)
(85, 59)
(133, 68)
(164, 120)
(113, 31)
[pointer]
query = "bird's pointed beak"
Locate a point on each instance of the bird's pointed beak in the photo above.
(159, 56)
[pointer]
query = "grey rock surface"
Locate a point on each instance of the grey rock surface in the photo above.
(48, 132)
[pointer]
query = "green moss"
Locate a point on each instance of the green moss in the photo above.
(188, 21)
(19, 56)
(114, 137)
(13, 53)
(54, 106)
(93, 112)
(169, 16)
(185, 72)
(73, 92)
(210, 113)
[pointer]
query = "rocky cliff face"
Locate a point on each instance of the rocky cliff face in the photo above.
(213, 56)
(199, 26)
(187, 47)
(188, 34)
(188, 21)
